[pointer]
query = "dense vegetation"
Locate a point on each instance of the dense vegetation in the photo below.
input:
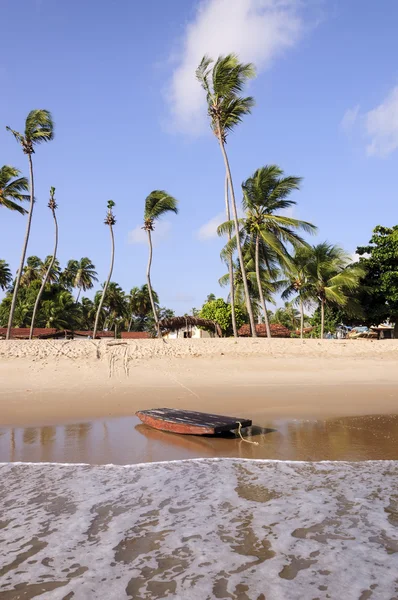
(266, 253)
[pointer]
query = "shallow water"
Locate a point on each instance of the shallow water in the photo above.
(247, 530)
(126, 441)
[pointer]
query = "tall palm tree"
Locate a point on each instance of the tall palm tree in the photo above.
(5, 275)
(223, 81)
(266, 193)
(12, 188)
(80, 274)
(230, 263)
(157, 204)
(140, 303)
(39, 128)
(52, 205)
(110, 221)
(332, 278)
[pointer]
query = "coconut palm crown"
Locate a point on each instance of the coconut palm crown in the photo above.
(157, 204)
(12, 188)
(39, 128)
(223, 80)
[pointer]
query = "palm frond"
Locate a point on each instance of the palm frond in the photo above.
(157, 203)
(39, 126)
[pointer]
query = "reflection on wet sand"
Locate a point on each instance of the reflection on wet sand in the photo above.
(126, 441)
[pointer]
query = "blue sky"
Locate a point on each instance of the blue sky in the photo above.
(118, 78)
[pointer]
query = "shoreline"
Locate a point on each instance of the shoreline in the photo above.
(45, 382)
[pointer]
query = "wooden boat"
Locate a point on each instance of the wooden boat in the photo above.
(189, 422)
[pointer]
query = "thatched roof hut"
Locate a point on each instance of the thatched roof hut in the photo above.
(277, 331)
(176, 323)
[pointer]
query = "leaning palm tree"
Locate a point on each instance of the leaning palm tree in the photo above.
(265, 194)
(157, 204)
(332, 278)
(39, 128)
(52, 205)
(223, 81)
(12, 188)
(110, 221)
(5, 275)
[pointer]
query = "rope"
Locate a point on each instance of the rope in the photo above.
(242, 438)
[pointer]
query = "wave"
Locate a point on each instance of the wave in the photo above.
(200, 529)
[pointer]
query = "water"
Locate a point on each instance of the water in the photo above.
(126, 441)
(200, 529)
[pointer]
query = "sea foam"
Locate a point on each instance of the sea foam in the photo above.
(200, 529)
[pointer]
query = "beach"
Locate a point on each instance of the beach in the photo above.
(47, 382)
(95, 504)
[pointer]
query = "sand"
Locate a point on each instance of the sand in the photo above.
(56, 381)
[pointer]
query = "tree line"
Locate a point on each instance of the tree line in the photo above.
(265, 251)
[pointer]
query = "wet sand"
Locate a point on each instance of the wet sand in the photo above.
(127, 441)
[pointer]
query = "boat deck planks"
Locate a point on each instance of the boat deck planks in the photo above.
(189, 421)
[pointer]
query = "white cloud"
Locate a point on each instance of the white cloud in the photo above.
(382, 126)
(209, 229)
(349, 119)
(139, 236)
(256, 30)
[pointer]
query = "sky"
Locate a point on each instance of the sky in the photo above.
(118, 78)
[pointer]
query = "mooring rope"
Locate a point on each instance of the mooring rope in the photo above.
(242, 438)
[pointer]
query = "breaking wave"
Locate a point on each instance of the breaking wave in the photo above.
(200, 529)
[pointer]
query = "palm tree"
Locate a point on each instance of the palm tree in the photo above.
(115, 304)
(264, 194)
(230, 264)
(52, 205)
(12, 188)
(288, 316)
(80, 274)
(223, 80)
(110, 221)
(32, 271)
(39, 128)
(332, 278)
(60, 311)
(87, 313)
(297, 281)
(5, 275)
(157, 204)
(140, 303)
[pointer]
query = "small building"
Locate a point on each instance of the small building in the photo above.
(189, 327)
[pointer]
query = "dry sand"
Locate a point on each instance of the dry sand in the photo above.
(57, 381)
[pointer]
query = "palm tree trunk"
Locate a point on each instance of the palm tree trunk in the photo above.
(230, 264)
(260, 287)
(131, 321)
(106, 283)
(148, 277)
(322, 318)
(43, 285)
(24, 248)
(301, 319)
(240, 254)
(78, 296)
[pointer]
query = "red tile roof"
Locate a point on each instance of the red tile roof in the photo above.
(135, 335)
